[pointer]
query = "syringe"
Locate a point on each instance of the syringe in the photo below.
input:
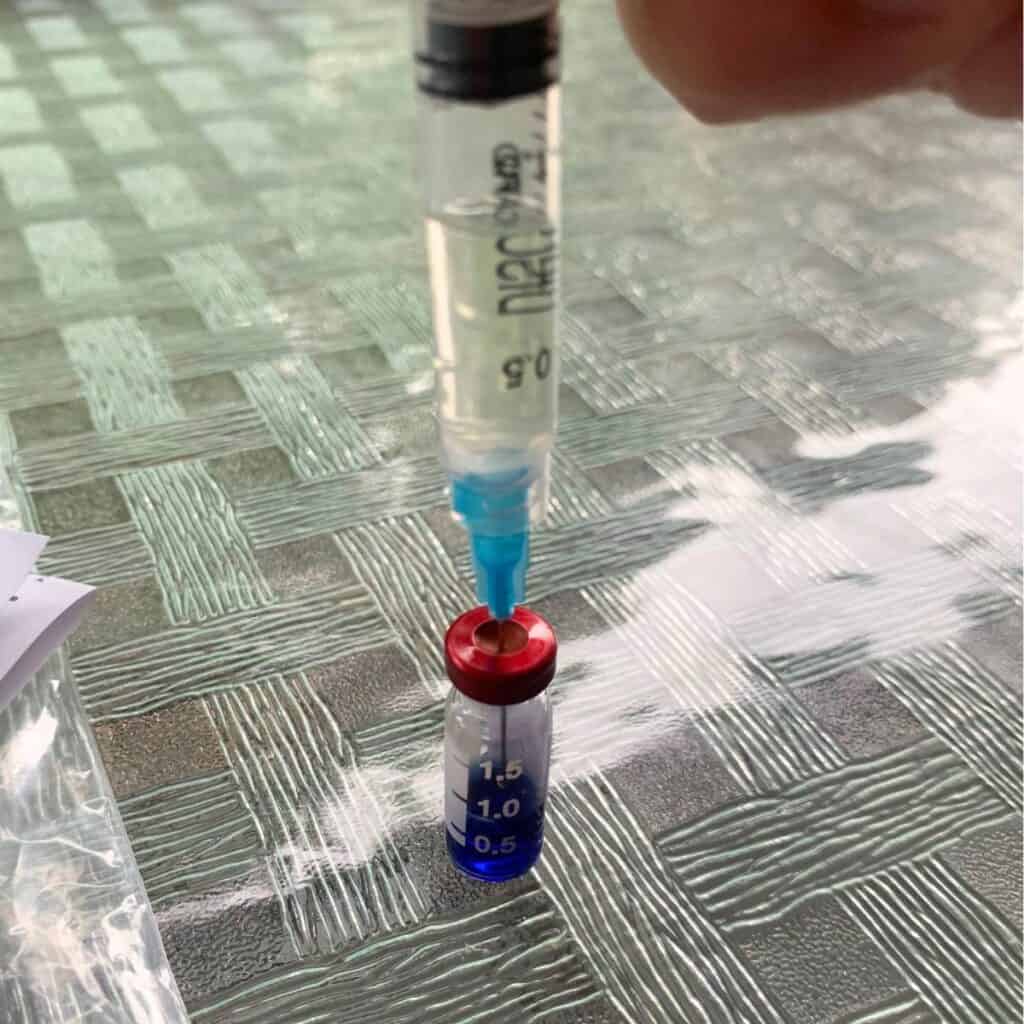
(487, 73)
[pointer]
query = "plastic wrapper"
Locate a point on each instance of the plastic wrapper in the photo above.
(78, 940)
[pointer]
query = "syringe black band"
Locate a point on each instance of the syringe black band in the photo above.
(495, 62)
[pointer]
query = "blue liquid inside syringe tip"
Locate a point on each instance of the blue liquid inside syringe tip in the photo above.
(495, 510)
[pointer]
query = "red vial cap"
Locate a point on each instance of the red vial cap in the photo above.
(500, 662)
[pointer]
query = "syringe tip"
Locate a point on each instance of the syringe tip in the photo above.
(500, 566)
(495, 509)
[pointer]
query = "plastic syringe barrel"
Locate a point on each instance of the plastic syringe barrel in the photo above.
(489, 121)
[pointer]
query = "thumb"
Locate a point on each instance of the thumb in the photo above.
(729, 60)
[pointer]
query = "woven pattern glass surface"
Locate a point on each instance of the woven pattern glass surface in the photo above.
(782, 556)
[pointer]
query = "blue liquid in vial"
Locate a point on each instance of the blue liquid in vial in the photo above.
(499, 845)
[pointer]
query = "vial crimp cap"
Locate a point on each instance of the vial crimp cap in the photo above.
(500, 662)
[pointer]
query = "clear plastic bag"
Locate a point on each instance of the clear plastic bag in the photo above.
(78, 939)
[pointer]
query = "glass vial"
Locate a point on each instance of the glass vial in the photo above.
(497, 742)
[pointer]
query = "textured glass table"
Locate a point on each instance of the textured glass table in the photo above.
(783, 553)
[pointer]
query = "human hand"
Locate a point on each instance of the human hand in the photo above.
(738, 60)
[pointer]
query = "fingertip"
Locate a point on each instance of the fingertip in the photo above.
(989, 82)
(715, 112)
(727, 61)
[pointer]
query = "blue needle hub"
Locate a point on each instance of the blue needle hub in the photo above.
(495, 509)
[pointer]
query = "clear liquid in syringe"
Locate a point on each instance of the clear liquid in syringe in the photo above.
(494, 306)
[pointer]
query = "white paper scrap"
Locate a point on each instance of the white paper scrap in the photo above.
(18, 553)
(37, 613)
